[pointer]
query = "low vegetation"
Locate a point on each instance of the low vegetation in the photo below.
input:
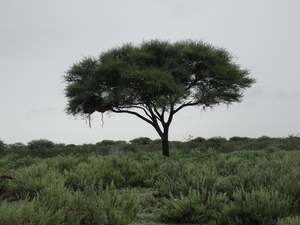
(213, 181)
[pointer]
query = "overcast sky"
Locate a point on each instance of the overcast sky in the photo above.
(40, 40)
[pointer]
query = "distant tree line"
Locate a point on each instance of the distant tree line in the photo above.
(45, 148)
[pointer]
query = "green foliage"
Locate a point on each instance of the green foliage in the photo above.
(154, 80)
(40, 145)
(2, 145)
(68, 163)
(141, 140)
(27, 212)
(198, 206)
(97, 170)
(260, 206)
(252, 193)
(248, 179)
(119, 209)
(108, 206)
(177, 177)
(153, 70)
(55, 204)
(17, 145)
(107, 142)
(195, 143)
(185, 149)
(202, 187)
(215, 142)
(289, 221)
(236, 138)
(24, 161)
(30, 180)
(44, 185)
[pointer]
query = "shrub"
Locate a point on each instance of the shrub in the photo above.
(236, 138)
(264, 138)
(198, 206)
(194, 143)
(71, 146)
(109, 206)
(289, 221)
(28, 212)
(215, 142)
(141, 141)
(106, 143)
(64, 163)
(40, 144)
(177, 177)
(30, 180)
(54, 204)
(132, 148)
(2, 145)
(260, 206)
(227, 147)
(122, 170)
(17, 145)
(119, 208)
(198, 139)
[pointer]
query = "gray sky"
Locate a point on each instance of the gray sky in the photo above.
(40, 40)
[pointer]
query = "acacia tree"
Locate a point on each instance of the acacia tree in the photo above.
(154, 80)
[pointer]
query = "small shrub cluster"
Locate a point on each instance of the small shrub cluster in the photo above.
(40, 144)
(239, 188)
(40, 194)
(141, 141)
(126, 172)
(57, 205)
(2, 146)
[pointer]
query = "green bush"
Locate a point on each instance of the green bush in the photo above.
(45, 185)
(236, 138)
(132, 148)
(40, 144)
(28, 181)
(289, 221)
(27, 212)
(65, 163)
(122, 170)
(109, 206)
(260, 206)
(55, 204)
(215, 142)
(198, 206)
(195, 143)
(17, 145)
(119, 208)
(25, 161)
(2, 146)
(177, 177)
(141, 141)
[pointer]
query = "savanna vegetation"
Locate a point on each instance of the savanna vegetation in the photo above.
(212, 181)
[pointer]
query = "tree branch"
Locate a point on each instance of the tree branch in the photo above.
(185, 105)
(155, 118)
(159, 116)
(133, 113)
(142, 108)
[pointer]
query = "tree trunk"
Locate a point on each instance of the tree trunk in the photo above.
(165, 147)
(165, 142)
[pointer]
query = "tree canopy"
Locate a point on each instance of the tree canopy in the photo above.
(154, 80)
